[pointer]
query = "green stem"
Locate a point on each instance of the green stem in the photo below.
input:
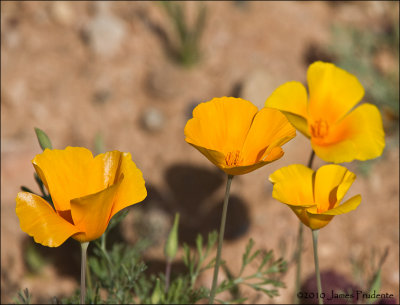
(315, 244)
(300, 243)
(167, 275)
(220, 240)
(311, 159)
(84, 247)
(298, 260)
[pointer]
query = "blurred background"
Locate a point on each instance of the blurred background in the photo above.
(127, 75)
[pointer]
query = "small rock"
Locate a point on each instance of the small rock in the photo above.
(153, 119)
(259, 86)
(105, 34)
(385, 61)
(62, 13)
(101, 96)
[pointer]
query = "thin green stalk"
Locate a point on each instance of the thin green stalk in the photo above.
(315, 245)
(220, 240)
(298, 260)
(84, 247)
(167, 275)
(311, 159)
(300, 243)
(104, 250)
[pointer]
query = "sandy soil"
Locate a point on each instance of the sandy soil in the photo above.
(83, 68)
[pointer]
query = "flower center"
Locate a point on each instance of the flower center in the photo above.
(233, 158)
(319, 129)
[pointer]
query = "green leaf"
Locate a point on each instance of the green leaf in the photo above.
(25, 189)
(199, 245)
(43, 139)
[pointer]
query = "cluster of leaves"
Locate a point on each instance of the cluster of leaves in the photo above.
(187, 47)
(117, 276)
(120, 278)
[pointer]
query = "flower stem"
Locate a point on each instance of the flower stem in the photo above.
(315, 244)
(298, 260)
(220, 240)
(167, 275)
(300, 242)
(84, 247)
(311, 159)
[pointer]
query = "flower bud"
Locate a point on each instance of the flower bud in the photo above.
(171, 246)
(43, 139)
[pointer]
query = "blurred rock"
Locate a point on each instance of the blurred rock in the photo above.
(259, 86)
(385, 61)
(152, 119)
(101, 96)
(105, 33)
(62, 13)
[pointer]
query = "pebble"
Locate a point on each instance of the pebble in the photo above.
(105, 33)
(62, 13)
(153, 119)
(259, 86)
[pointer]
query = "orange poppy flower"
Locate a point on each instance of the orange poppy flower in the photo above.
(86, 193)
(314, 196)
(338, 132)
(235, 136)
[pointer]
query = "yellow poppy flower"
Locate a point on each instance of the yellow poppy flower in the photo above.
(86, 193)
(338, 132)
(314, 196)
(235, 136)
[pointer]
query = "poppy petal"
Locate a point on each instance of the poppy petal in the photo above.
(333, 92)
(275, 154)
(38, 219)
(108, 165)
(345, 207)
(64, 172)
(132, 189)
(270, 128)
(327, 180)
(317, 221)
(216, 157)
(293, 185)
(359, 135)
(221, 124)
(92, 213)
(291, 99)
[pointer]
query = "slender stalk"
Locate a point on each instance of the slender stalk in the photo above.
(104, 250)
(298, 259)
(300, 243)
(84, 247)
(167, 274)
(220, 240)
(311, 159)
(315, 244)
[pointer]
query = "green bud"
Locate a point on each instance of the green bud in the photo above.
(43, 139)
(98, 144)
(157, 293)
(171, 246)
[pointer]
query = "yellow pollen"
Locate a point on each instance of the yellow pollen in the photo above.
(232, 158)
(319, 129)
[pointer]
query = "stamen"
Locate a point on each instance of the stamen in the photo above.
(233, 158)
(319, 129)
